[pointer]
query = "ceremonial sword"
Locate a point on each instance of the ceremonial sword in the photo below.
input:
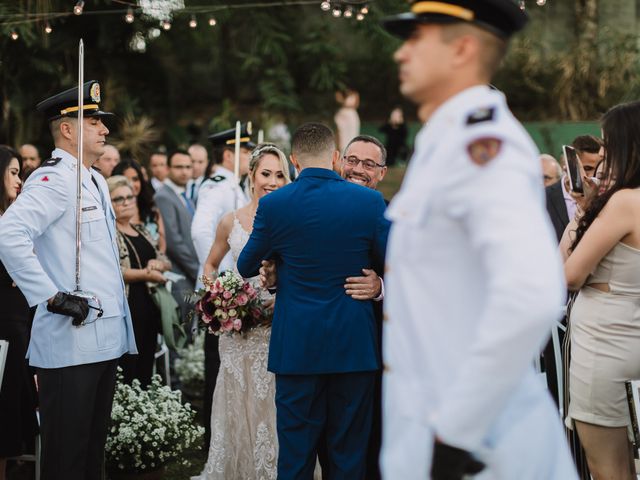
(78, 291)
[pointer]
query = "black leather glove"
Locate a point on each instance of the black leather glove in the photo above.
(71, 305)
(451, 463)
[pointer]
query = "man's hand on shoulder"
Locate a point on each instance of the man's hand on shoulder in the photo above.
(366, 287)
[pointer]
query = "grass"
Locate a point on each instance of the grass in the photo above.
(390, 185)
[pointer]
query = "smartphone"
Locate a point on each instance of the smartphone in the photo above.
(574, 168)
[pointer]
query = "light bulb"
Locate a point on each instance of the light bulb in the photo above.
(166, 25)
(541, 3)
(14, 35)
(129, 17)
(193, 23)
(348, 13)
(212, 22)
(360, 17)
(77, 10)
(364, 10)
(325, 6)
(337, 12)
(47, 28)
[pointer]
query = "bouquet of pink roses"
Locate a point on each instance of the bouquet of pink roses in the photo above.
(229, 304)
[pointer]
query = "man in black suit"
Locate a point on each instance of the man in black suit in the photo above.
(561, 208)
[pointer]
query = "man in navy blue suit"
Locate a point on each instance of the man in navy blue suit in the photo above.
(324, 347)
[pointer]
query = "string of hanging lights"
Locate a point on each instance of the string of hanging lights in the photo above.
(540, 3)
(347, 9)
(163, 12)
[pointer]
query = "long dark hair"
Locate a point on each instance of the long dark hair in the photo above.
(6, 155)
(621, 132)
(146, 206)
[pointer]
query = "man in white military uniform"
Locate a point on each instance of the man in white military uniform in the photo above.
(473, 280)
(74, 349)
(219, 194)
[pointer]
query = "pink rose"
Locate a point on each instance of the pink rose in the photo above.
(226, 295)
(237, 324)
(242, 299)
(227, 326)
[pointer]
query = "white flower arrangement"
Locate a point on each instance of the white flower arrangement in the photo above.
(190, 366)
(149, 428)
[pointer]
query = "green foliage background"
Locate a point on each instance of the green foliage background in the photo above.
(576, 59)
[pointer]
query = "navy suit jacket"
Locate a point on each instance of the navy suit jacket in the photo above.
(320, 230)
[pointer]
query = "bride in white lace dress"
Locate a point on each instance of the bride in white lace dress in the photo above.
(244, 442)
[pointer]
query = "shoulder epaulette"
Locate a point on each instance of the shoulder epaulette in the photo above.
(481, 115)
(52, 162)
(217, 178)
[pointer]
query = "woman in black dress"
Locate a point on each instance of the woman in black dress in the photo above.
(141, 264)
(18, 422)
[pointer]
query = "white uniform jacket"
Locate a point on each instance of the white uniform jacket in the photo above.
(217, 196)
(37, 246)
(474, 283)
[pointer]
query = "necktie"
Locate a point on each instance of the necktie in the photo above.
(93, 179)
(188, 203)
(193, 191)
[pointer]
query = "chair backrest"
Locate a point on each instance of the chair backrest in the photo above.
(4, 347)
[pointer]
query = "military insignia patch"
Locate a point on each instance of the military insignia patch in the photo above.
(95, 92)
(44, 179)
(480, 115)
(483, 150)
(51, 162)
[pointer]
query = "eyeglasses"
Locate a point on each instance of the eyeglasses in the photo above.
(122, 200)
(353, 162)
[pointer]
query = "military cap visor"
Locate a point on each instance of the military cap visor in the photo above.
(227, 138)
(501, 17)
(65, 104)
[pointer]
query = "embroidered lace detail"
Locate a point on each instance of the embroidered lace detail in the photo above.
(264, 453)
(244, 444)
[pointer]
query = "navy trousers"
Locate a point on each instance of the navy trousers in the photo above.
(338, 404)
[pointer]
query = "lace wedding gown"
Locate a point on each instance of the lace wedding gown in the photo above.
(244, 444)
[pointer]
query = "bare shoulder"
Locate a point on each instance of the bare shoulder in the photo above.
(625, 199)
(226, 222)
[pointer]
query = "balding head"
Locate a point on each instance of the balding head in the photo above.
(200, 159)
(108, 160)
(551, 170)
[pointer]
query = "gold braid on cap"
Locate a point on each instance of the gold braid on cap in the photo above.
(90, 106)
(443, 8)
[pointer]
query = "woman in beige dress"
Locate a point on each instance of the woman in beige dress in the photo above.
(603, 263)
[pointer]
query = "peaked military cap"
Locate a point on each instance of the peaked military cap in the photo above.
(227, 138)
(501, 17)
(65, 104)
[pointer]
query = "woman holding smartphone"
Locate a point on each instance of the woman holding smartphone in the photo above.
(603, 264)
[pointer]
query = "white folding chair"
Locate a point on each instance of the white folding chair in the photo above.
(4, 348)
(163, 351)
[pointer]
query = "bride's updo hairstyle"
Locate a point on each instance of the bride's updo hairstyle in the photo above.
(621, 135)
(258, 154)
